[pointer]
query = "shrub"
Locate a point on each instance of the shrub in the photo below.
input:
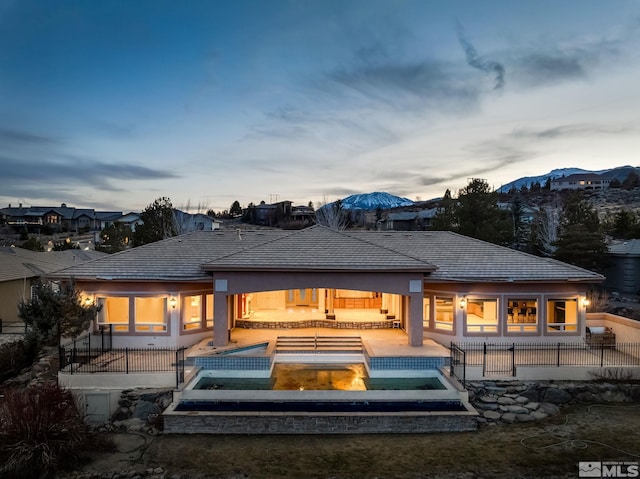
(16, 356)
(41, 432)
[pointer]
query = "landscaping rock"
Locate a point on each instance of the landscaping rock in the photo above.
(532, 406)
(556, 396)
(518, 410)
(144, 408)
(549, 409)
(538, 415)
(522, 400)
(509, 417)
(506, 401)
(493, 415)
(488, 399)
(525, 417)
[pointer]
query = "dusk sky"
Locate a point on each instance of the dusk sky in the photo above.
(111, 104)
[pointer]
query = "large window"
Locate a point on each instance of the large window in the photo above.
(482, 316)
(197, 312)
(426, 312)
(562, 315)
(114, 312)
(150, 315)
(444, 313)
(522, 315)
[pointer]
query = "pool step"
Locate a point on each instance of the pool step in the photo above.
(314, 344)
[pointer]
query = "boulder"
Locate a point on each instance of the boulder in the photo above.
(531, 406)
(518, 410)
(493, 415)
(525, 417)
(506, 401)
(144, 408)
(548, 409)
(556, 396)
(538, 415)
(488, 399)
(509, 417)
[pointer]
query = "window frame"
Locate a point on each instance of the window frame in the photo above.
(549, 330)
(498, 319)
(206, 322)
(508, 299)
(132, 329)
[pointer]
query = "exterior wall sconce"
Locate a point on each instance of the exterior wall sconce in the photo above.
(585, 302)
(463, 303)
(88, 301)
(173, 302)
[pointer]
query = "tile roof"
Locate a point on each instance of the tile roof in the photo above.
(442, 256)
(18, 263)
(626, 248)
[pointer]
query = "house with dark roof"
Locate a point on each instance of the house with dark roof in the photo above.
(437, 286)
(63, 218)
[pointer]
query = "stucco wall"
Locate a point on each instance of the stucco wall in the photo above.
(11, 293)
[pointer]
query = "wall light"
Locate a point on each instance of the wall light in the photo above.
(88, 301)
(585, 302)
(173, 302)
(463, 303)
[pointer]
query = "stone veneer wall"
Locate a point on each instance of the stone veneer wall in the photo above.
(314, 323)
(310, 423)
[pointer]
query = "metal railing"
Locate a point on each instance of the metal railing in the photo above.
(458, 364)
(505, 358)
(84, 360)
(101, 339)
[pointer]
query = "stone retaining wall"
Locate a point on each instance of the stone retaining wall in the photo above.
(525, 401)
(310, 423)
(313, 323)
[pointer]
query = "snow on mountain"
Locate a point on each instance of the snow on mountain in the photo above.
(371, 201)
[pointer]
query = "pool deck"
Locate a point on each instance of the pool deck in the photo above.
(379, 342)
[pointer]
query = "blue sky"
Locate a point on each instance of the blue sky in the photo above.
(111, 104)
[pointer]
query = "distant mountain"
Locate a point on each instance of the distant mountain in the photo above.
(371, 201)
(620, 173)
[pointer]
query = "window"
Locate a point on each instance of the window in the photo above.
(197, 312)
(562, 315)
(209, 310)
(482, 316)
(426, 312)
(150, 315)
(192, 312)
(444, 313)
(522, 315)
(115, 312)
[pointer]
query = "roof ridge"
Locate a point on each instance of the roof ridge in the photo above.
(393, 250)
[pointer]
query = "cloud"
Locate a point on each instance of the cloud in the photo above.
(15, 138)
(476, 61)
(574, 130)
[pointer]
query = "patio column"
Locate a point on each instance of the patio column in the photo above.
(220, 313)
(414, 313)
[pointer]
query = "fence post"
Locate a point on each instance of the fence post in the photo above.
(0, 325)
(602, 354)
(513, 359)
(126, 360)
(451, 371)
(558, 358)
(484, 359)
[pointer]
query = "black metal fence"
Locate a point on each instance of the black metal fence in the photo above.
(458, 364)
(101, 339)
(83, 360)
(505, 358)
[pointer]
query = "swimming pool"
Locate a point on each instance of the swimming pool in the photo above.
(314, 377)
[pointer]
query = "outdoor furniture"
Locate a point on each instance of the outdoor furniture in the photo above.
(600, 336)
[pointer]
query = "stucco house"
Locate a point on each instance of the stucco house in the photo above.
(21, 268)
(438, 286)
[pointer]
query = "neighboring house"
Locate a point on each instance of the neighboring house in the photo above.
(580, 181)
(21, 268)
(437, 286)
(188, 222)
(408, 220)
(63, 218)
(623, 274)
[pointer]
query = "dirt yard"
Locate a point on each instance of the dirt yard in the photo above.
(545, 449)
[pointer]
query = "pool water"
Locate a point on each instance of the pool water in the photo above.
(320, 377)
